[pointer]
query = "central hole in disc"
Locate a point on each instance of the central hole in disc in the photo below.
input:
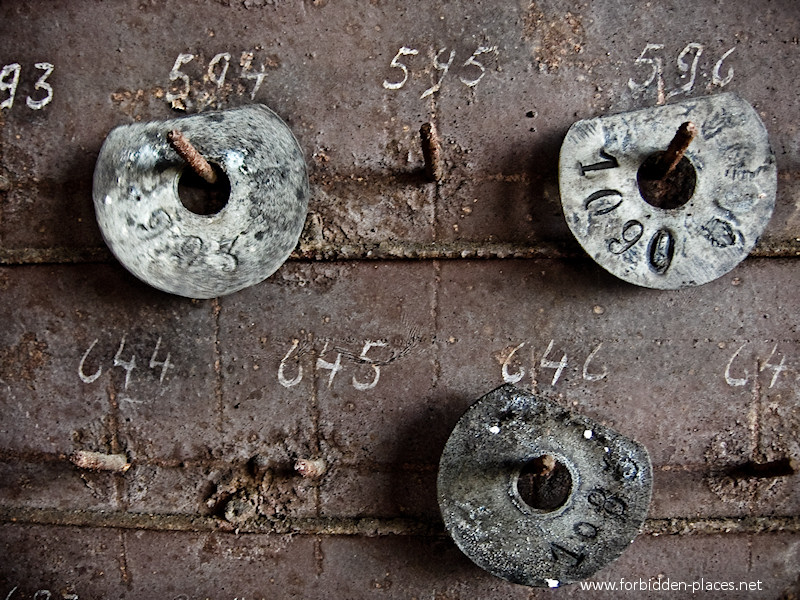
(674, 190)
(201, 197)
(544, 483)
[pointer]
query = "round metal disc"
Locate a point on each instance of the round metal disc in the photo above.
(733, 199)
(487, 517)
(203, 256)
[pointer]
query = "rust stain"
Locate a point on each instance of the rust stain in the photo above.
(323, 240)
(125, 573)
(355, 526)
(555, 38)
(501, 356)
(319, 556)
(266, 487)
(20, 362)
(728, 456)
(135, 103)
(431, 151)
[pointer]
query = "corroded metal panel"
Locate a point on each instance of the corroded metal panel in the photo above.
(366, 347)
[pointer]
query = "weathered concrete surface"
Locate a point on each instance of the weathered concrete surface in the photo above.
(213, 444)
(106, 563)
(369, 365)
(546, 65)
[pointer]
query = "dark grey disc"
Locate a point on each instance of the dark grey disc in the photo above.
(483, 510)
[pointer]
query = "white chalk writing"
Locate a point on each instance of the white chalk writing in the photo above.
(588, 371)
(9, 81)
(128, 365)
(185, 92)
(398, 65)
(737, 374)
(43, 594)
(651, 63)
(336, 359)
(363, 358)
(472, 70)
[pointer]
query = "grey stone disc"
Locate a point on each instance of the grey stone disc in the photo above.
(733, 200)
(491, 523)
(203, 256)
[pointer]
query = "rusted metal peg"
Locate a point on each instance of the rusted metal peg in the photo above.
(675, 151)
(782, 467)
(99, 461)
(431, 151)
(311, 468)
(189, 153)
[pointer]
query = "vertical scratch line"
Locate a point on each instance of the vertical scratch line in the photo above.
(127, 579)
(215, 311)
(754, 421)
(437, 190)
(438, 344)
(116, 447)
(316, 448)
(319, 555)
(314, 411)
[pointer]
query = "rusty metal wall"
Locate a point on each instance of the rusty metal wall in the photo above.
(449, 288)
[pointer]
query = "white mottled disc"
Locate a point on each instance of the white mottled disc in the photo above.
(733, 200)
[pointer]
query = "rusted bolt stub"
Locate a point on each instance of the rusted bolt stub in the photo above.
(594, 489)
(781, 467)
(431, 152)
(99, 461)
(311, 468)
(667, 179)
(189, 153)
(676, 149)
